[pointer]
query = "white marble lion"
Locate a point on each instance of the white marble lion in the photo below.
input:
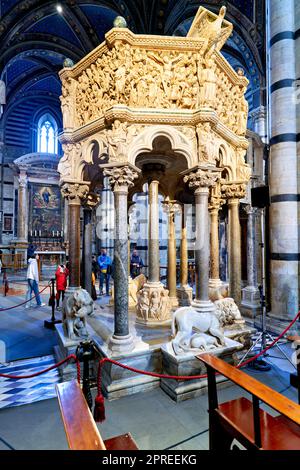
(188, 326)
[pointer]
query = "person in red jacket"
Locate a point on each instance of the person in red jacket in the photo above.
(61, 275)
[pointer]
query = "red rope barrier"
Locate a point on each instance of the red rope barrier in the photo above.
(71, 356)
(99, 412)
(25, 302)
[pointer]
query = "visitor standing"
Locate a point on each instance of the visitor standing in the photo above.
(104, 263)
(136, 264)
(33, 281)
(61, 276)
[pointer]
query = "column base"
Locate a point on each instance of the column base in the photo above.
(184, 295)
(203, 306)
(250, 305)
(154, 305)
(121, 344)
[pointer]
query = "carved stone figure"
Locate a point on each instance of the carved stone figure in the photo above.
(208, 144)
(186, 320)
(228, 313)
(68, 102)
(143, 305)
(210, 28)
(117, 141)
(153, 304)
(135, 286)
(76, 307)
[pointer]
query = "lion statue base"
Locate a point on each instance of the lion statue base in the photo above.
(76, 306)
(193, 330)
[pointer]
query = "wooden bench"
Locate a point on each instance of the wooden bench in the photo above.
(243, 420)
(80, 427)
(295, 377)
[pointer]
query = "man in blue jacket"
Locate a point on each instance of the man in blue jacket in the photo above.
(104, 263)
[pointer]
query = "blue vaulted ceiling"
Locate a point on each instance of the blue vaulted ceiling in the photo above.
(35, 38)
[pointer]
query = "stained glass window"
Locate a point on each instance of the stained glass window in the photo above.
(47, 134)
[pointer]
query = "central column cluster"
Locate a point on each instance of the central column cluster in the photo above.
(201, 180)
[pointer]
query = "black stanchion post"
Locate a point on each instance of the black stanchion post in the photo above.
(86, 352)
(51, 323)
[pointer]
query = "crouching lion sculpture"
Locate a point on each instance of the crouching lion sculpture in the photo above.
(195, 330)
(75, 309)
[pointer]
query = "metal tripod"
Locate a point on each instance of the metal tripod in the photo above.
(263, 335)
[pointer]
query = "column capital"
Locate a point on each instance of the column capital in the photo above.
(75, 192)
(171, 207)
(201, 179)
(121, 178)
(91, 201)
(23, 179)
(232, 191)
(250, 210)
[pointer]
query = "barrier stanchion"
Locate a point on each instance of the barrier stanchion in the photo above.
(86, 352)
(50, 324)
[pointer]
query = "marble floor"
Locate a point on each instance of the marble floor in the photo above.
(154, 420)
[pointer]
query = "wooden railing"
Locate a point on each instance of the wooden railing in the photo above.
(80, 427)
(244, 420)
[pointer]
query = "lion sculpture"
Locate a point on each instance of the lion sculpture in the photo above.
(195, 330)
(76, 307)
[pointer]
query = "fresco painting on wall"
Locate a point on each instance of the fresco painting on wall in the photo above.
(45, 210)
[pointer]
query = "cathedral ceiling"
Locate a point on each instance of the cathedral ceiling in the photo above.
(35, 38)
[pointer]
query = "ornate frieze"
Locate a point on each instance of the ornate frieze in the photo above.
(233, 190)
(69, 160)
(157, 73)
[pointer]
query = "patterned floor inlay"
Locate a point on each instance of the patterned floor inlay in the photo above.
(16, 392)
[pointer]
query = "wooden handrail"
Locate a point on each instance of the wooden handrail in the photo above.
(275, 400)
(81, 430)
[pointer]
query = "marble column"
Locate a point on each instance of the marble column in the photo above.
(201, 180)
(214, 281)
(284, 162)
(23, 207)
(153, 254)
(250, 294)
(171, 208)
(184, 292)
(66, 226)
(233, 192)
(121, 178)
(154, 305)
(89, 204)
(75, 193)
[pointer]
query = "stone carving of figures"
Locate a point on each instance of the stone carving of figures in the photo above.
(120, 81)
(167, 68)
(143, 305)
(65, 163)
(155, 305)
(141, 88)
(68, 102)
(208, 81)
(164, 304)
(207, 144)
(242, 116)
(117, 141)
